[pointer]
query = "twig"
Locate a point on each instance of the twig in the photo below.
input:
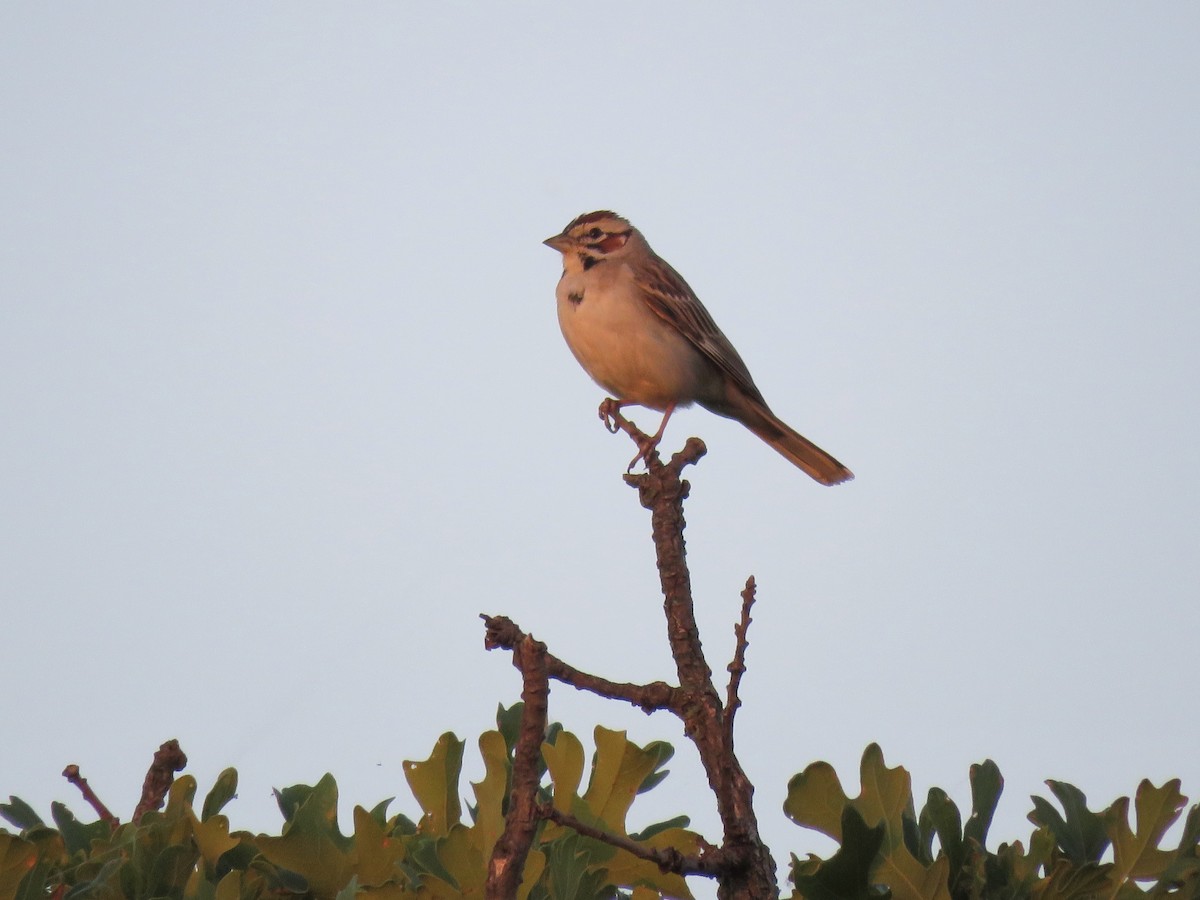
(168, 760)
(504, 633)
(71, 773)
(737, 668)
(668, 859)
(512, 847)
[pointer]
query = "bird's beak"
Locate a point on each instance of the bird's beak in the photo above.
(559, 242)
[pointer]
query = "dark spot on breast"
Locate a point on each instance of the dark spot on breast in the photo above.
(576, 297)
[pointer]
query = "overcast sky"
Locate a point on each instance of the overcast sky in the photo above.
(285, 404)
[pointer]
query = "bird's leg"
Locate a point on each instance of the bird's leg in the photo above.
(648, 446)
(610, 415)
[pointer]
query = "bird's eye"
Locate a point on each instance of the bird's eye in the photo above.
(595, 233)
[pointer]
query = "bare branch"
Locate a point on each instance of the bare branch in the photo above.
(750, 870)
(503, 632)
(512, 847)
(668, 859)
(71, 773)
(742, 864)
(737, 668)
(168, 760)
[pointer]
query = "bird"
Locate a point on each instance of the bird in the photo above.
(642, 334)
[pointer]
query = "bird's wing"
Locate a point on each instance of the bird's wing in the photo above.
(673, 301)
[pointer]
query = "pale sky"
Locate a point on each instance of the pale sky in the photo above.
(285, 404)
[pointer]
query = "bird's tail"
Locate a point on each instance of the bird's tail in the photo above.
(790, 443)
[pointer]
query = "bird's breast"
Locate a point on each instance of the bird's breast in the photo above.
(624, 346)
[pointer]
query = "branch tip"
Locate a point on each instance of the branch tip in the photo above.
(168, 759)
(737, 667)
(72, 774)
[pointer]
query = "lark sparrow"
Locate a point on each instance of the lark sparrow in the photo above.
(642, 334)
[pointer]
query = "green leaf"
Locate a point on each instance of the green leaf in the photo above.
(815, 796)
(628, 870)
(1185, 868)
(618, 770)
(279, 878)
(423, 855)
(350, 891)
(34, 887)
(312, 845)
(290, 799)
(491, 794)
(663, 753)
(434, 782)
(101, 884)
(846, 874)
(946, 821)
(909, 880)
(815, 800)
(18, 858)
(223, 790)
(1081, 834)
(379, 854)
(230, 887)
(568, 861)
(379, 811)
(170, 870)
(20, 813)
(651, 830)
(508, 723)
(535, 865)
(180, 797)
(1191, 831)
(1136, 854)
(1071, 881)
(402, 824)
(1013, 867)
(986, 787)
(463, 859)
(886, 794)
(213, 838)
(78, 836)
(564, 758)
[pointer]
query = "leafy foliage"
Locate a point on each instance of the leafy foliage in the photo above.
(175, 853)
(887, 849)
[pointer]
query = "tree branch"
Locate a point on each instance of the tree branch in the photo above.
(749, 872)
(71, 773)
(168, 760)
(742, 864)
(668, 859)
(512, 847)
(503, 632)
(737, 668)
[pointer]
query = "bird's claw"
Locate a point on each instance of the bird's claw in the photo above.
(610, 415)
(646, 449)
(610, 409)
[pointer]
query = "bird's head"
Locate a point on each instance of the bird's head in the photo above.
(594, 238)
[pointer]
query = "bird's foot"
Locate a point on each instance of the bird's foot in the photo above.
(647, 450)
(610, 414)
